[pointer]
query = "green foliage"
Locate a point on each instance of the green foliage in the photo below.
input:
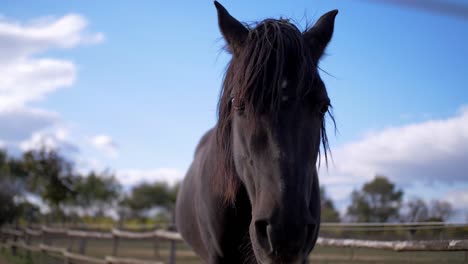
(440, 211)
(416, 211)
(378, 201)
(8, 191)
(94, 193)
(145, 197)
(20, 258)
(8, 209)
(329, 213)
(49, 175)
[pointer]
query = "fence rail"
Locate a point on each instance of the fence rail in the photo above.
(21, 238)
(428, 245)
(391, 226)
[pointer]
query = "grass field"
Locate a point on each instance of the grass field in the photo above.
(144, 249)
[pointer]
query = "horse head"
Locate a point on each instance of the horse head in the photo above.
(272, 124)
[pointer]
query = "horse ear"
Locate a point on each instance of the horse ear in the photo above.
(320, 34)
(233, 31)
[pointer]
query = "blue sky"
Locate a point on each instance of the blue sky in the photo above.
(143, 83)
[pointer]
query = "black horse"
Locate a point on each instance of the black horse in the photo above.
(251, 194)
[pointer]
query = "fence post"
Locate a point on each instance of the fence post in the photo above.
(173, 249)
(352, 254)
(65, 258)
(411, 234)
(41, 240)
(3, 237)
(27, 241)
(83, 243)
(172, 256)
(71, 242)
(115, 245)
(69, 249)
(13, 246)
(42, 257)
(156, 248)
(45, 241)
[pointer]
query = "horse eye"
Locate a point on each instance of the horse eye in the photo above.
(237, 106)
(324, 109)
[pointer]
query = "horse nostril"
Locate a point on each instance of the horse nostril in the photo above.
(262, 228)
(312, 228)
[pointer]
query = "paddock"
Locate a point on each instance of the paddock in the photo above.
(46, 244)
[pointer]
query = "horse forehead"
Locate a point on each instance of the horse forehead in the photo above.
(284, 83)
(281, 23)
(284, 86)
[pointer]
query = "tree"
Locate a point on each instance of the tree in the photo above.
(50, 176)
(378, 201)
(146, 197)
(95, 193)
(416, 210)
(328, 211)
(29, 212)
(9, 190)
(440, 211)
(8, 209)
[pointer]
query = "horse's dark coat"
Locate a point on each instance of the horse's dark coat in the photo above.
(251, 194)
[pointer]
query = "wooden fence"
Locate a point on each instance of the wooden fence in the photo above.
(21, 238)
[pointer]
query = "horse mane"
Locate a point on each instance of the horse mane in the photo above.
(273, 50)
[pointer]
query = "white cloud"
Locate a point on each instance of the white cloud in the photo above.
(458, 199)
(19, 40)
(105, 144)
(86, 164)
(426, 153)
(28, 80)
(135, 176)
(50, 139)
(19, 124)
(25, 77)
